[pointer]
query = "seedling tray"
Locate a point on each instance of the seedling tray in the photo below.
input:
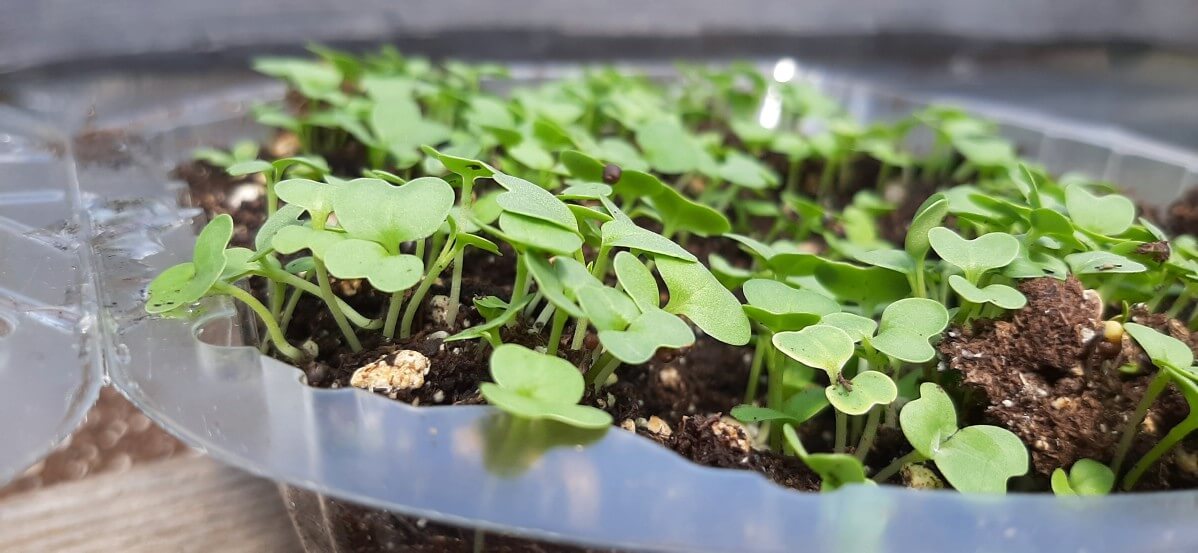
(197, 378)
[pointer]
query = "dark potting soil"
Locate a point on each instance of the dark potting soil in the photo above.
(1048, 374)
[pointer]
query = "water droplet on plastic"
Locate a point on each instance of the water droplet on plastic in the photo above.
(122, 354)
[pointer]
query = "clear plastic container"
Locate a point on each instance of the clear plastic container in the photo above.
(457, 465)
(49, 373)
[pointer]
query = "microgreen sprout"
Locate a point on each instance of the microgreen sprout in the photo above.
(532, 385)
(1085, 477)
(977, 458)
(186, 283)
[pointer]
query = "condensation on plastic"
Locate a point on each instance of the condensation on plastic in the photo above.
(49, 375)
(197, 379)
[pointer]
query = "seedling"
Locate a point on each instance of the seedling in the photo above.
(1174, 361)
(976, 258)
(531, 385)
(977, 458)
(185, 283)
(241, 152)
(835, 470)
(1085, 477)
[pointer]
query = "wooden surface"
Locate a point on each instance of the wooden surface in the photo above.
(184, 504)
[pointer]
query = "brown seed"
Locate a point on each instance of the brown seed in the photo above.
(591, 341)
(612, 173)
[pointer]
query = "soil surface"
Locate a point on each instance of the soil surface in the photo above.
(1048, 374)
(1043, 372)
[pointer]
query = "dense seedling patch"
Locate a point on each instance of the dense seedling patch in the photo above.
(616, 225)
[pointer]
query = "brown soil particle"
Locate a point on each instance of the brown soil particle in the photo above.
(214, 191)
(712, 441)
(1040, 376)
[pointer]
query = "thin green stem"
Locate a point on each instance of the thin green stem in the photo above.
(755, 369)
(870, 432)
(272, 198)
(842, 431)
(1179, 303)
(409, 314)
(555, 333)
(359, 320)
(455, 289)
(520, 286)
(326, 292)
(580, 334)
(1155, 301)
(600, 372)
(921, 286)
(897, 465)
(547, 312)
(775, 395)
(289, 309)
(393, 308)
(1175, 435)
(272, 326)
(1154, 389)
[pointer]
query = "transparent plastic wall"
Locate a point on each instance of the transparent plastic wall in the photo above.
(49, 375)
(461, 465)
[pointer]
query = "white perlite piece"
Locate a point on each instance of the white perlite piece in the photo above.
(438, 310)
(732, 433)
(402, 370)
